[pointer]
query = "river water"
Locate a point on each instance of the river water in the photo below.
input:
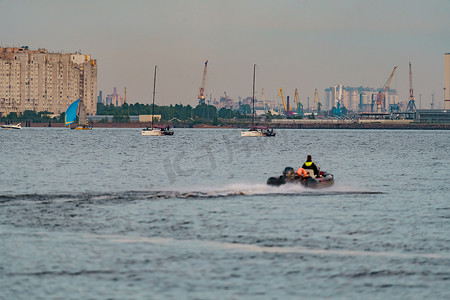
(111, 214)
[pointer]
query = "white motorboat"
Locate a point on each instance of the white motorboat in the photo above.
(157, 130)
(12, 126)
(258, 131)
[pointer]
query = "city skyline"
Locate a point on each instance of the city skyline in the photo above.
(304, 45)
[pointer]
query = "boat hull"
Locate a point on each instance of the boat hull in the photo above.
(325, 180)
(252, 133)
(82, 128)
(256, 133)
(17, 126)
(155, 132)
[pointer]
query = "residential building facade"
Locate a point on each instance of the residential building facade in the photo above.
(41, 81)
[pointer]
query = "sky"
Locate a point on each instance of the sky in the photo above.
(302, 44)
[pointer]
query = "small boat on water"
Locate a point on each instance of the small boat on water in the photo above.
(256, 131)
(156, 130)
(77, 109)
(11, 126)
(303, 177)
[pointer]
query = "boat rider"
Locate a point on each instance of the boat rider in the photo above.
(309, 165)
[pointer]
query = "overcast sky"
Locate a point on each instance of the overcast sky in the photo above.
(295, 44)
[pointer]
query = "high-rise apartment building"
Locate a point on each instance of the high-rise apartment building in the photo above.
(41, 81)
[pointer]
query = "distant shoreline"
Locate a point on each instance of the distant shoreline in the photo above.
(309, 125)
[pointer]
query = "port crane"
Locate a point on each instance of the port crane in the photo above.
(201, 93)
(338, 93)
(316, 101)
(411, 104)
(280, 92)
(286, 105)
(299, 104)
(381, 97)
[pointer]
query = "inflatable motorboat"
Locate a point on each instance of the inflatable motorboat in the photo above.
(303, 177)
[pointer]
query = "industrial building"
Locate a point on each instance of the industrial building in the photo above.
(37, 80)
(357, 99)
(438, 116)
(432, 116)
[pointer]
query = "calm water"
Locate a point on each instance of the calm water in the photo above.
(110, 214)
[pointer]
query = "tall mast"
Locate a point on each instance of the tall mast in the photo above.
(201, 93)
(253, 98)
(154, 87)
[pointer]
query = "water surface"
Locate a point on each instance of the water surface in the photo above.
(110, 214)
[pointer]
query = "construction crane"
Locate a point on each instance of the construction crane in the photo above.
(299, 104)
(287, 107)
(411, 104)
(381, 97)
(316, 101)
(280, 92)
(338, 99)
(201, 93)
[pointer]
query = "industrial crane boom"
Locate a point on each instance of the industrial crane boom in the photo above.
(298, 102)
(201, 93)
(387, 85)
(296, 98)
(411, 104)
(388, 82)
(280, 92)
(316, 101)
(381, 98)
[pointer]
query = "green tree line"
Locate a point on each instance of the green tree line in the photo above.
(30, 115)
(200, 113)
